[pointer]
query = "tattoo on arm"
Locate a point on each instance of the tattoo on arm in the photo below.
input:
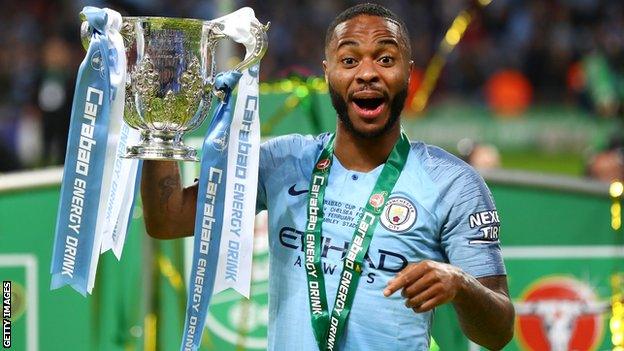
(167, 186)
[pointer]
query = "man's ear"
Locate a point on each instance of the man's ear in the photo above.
(325, 70)
(410, 66)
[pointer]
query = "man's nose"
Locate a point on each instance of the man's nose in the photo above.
(367, 72)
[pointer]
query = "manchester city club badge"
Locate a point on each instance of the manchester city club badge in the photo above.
(398, 215)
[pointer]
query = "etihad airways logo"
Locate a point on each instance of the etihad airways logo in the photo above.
(385, 260)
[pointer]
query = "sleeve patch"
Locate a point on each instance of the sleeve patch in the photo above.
(488, 224)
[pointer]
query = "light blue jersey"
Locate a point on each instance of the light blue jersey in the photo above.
(440, 209)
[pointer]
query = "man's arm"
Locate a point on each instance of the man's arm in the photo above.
(485, 312)
(168, 208)
(486, 304)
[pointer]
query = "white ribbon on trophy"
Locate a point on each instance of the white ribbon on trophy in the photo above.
(121, 173)
(236, 249)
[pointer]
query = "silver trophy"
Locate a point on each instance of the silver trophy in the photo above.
(170, 79)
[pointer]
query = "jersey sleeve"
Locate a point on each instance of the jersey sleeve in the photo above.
(261, 197)
(280, 158)
(265, 155)
(470, 234)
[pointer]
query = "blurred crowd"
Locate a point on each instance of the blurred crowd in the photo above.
(567, 52)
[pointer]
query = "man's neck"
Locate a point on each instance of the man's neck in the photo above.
(364, 154)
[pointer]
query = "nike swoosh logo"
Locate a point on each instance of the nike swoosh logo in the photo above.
(293, 192)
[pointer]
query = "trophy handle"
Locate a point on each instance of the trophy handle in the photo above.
(253, 56)
(259, 32)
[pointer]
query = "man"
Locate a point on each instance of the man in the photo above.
(433, 224)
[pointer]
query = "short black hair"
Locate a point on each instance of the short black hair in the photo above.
(368, 9)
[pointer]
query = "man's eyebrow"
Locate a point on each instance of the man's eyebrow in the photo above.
(381, 42)
(388, 41)
(346, 42)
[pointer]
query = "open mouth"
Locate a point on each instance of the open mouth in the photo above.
(368, 104)
(368, 107)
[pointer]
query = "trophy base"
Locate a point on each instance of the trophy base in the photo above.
(161, 146)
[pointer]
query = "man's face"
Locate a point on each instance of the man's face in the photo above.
(367, 69)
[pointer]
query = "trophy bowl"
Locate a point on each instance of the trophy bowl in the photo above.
(170, 79)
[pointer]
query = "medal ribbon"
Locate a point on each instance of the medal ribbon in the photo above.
(329, 328)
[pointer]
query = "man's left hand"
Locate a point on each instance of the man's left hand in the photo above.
(427, 284)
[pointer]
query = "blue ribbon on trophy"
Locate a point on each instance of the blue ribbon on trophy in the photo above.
(95, 125)
(209, 213)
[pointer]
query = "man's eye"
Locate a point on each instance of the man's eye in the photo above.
(386, 60)
(348, 61)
